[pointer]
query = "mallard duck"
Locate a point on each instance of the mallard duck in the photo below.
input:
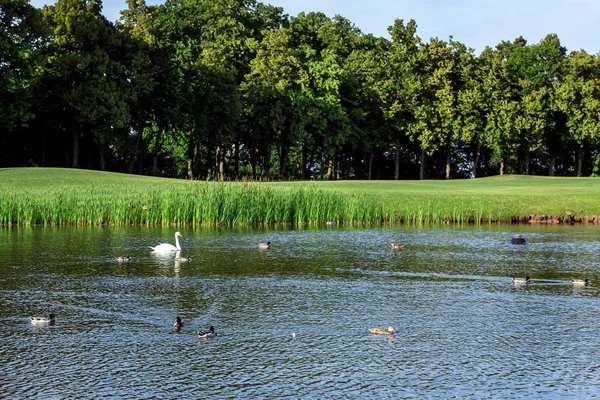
(208, 333)
(265, 245)
(123, 259)
(580, 282)
(50, 319)
(381, 331)
(183, 259)
(521, 281)
(397, 246)
(178, 323)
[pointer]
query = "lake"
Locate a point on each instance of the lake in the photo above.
(292, 321)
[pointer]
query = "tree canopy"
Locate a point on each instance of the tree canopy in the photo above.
(237, 89)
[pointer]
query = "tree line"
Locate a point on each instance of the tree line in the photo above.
(237, 89)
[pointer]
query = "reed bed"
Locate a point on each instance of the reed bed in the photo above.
(207, 203)
(74, 197)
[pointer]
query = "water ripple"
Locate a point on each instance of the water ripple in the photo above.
(293, 321)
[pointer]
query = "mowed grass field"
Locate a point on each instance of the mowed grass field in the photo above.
(56, 196)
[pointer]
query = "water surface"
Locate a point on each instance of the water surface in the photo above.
(292, 321)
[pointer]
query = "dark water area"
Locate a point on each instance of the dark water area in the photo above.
(292, 321)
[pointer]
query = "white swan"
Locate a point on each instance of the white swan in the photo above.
(167, 247)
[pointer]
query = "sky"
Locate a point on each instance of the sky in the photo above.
(476, 23)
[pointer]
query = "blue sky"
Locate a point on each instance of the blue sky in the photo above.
(476, 23)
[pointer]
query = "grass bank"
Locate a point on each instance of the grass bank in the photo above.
(54, 196)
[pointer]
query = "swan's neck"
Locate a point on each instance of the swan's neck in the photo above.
(177, 246)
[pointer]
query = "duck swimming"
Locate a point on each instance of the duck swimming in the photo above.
(50, 319)
(381, 331)
(178, 322)
(397, 246)
(580, 282)
(521, 281)
(183, 259)
(208, 333)
(265, 245)
(518, 239)
(123, 259)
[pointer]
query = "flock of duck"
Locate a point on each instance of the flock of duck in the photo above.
(520, 240)
(167, 249)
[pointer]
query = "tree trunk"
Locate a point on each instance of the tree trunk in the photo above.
(136, 154)
(422, 168)
(89, 146)
(397, 169)
(155, 155)
(283, 162)
(236, 161)
(527, 163)
(75, 151)
(304, 162)
(67, 159)
(448, 169)
(580, 161)
(43, 151)
(102, 159)
(140, 169)
(267, 165)
(552, 166)
(476, 162)
(253, 154)
(330, 170)
(501, 167)
(190, 172)
(371, 157)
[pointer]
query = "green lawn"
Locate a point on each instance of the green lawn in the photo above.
(56, 196)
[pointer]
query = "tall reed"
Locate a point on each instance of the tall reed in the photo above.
(205, 203)
(65, 197)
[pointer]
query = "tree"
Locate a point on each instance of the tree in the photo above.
(537, 67)
(437, 111)
(401, 88)
(22, 36)
(85, 78)
(578, 97)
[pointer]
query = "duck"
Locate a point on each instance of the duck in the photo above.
(397, 246)
(210, 332)
(381, 331)
(166, 248)
(183, 259)
(521, 281)
(178, 322)
(50, 319)
(580, 282)
(265, 245)
(518, 239)
(123, 259)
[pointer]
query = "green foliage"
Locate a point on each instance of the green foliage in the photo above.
(21, 35)
(228, 89)
(76, 197)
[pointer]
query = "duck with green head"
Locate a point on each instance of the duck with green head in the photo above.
(521, 281)
(209, 333)
(50, 319)
(580, 282)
